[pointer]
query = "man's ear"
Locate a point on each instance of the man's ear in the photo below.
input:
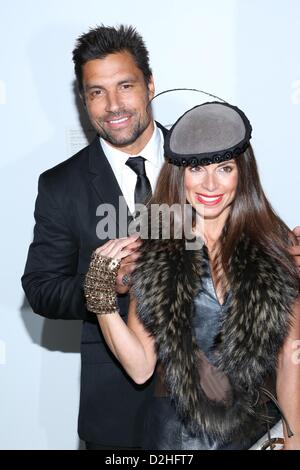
(151, 88)
(81, 94)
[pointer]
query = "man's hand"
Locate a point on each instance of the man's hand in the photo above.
(295, 250)
(126, 250)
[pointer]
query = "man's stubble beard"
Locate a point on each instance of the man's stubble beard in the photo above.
(136, 132)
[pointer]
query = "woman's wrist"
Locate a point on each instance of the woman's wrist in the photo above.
(99, 285)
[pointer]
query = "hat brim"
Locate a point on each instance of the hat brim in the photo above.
(211, 132)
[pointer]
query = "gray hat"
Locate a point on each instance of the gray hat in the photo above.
(208, 133)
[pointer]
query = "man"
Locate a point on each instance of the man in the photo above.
(116, 85)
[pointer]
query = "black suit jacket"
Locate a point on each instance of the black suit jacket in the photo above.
(111, 405)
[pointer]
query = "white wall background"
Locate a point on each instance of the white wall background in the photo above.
(246, 51)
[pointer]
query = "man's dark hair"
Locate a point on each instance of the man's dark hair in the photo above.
(104, 40)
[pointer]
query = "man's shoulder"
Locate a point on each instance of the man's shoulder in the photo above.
(70, 166)
(71, 173)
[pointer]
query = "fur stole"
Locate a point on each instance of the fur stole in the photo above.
(166, 281)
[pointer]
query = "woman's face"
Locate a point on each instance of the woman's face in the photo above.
(211, 189)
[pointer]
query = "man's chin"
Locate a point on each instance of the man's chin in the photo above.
(120, 140)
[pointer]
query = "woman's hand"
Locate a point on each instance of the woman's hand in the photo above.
(295, 250)
(290, 444)
(126, 251)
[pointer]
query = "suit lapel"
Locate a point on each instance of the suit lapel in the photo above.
(105, 185)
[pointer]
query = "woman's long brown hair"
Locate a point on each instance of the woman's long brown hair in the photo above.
(251, 213)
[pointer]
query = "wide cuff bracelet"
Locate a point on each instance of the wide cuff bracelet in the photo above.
(99, 285)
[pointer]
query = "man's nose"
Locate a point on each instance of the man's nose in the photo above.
(112, 102)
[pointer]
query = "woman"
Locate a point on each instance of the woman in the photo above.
(221, 321)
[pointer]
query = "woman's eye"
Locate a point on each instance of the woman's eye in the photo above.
(195, 169)
(226, 169)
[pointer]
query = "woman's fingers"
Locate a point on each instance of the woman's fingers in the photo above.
(104, 247)
(123, 280)
(119, 248)
(131, 258)
(296, 231)
(126, 250)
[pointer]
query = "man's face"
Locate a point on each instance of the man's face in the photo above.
(117, 97)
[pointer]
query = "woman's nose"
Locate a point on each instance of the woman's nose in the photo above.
(209, 182)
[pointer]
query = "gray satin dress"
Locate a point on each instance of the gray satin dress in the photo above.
(163, 429)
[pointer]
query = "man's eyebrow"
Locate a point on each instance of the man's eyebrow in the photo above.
(121, 82)
(92, 87)
(127, 80)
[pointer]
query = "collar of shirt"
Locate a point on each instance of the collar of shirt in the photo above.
(154, 155)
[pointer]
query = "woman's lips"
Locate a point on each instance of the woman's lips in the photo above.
(209, 200)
